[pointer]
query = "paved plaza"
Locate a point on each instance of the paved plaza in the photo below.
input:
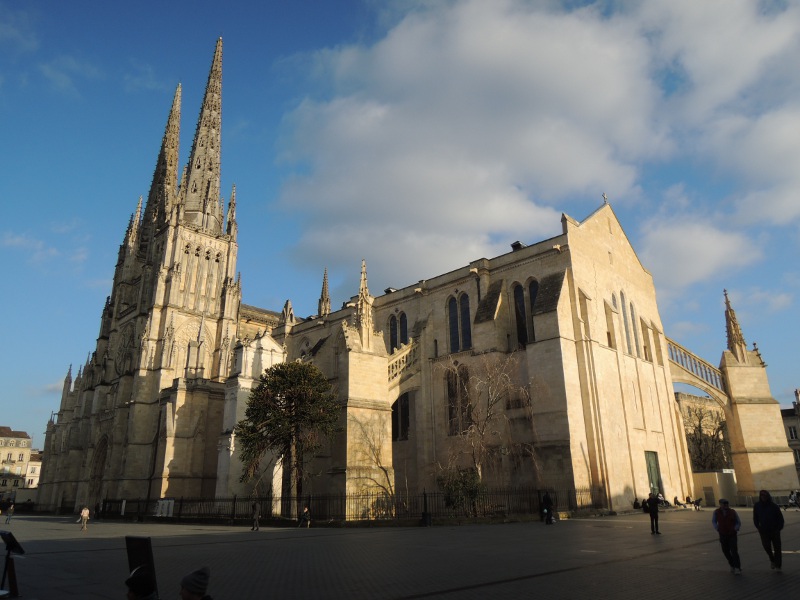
(607, 557)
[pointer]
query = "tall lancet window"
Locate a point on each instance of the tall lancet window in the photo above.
(519, 316)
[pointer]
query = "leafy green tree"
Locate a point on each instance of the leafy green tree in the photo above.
(290, 413)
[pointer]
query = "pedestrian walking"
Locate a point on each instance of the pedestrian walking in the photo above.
(305, 518)
(727, 524)
(256, 513)
(768, 520)
(9, 513)
(652, 508)
(85, 518)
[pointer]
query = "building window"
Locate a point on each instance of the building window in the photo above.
(22, 443)
(398, 331)
(452, 314)
(8, 457)
(533, 291)
(400, 419)
(21, 457)
(458, 407)
(797, 455)
(460, 323)
(648, 355)
(16, 483)
(12, 442)
(792, 432)
(33, 470)
(30, 482)
(635, 332)
(625, 322)
(4, 483)
(466, 323)
(519, 316)
(610, 337)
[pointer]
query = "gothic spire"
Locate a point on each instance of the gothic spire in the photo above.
(736, 343)
(165, 177)
(67, 382)
(233, 228)
(202, 203)
(324, 304)
(363, 316)
(287, 316)
(363, 290)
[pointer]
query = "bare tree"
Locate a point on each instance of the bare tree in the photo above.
(706, 437)
(374, 466)
(479, 394)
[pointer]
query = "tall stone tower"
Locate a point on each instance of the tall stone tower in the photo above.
(761, 456)
(143, 415)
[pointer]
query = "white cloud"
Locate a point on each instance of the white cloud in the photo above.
(470, 121)
(455, 134)
(16, 30)
(685, 250)
(143, 77)
(38, 250)
(63, 71)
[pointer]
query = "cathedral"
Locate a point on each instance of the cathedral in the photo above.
(555, 350)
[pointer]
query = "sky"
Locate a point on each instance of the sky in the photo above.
(417, 135)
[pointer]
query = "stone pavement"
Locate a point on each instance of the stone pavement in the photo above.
(608, 557)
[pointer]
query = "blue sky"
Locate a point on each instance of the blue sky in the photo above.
(418, 135)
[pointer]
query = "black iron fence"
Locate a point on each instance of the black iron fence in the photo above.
(354, 507)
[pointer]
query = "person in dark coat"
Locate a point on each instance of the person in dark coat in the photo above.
(652, 508)
(768, 520)
(305, 518)
(256, 515)
(547, 507)
(727, 523)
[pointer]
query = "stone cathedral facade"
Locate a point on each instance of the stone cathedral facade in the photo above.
(151, 413)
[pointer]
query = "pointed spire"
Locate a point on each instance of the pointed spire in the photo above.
(363, 290)
(736, 343)
(202, 185)
(133, 227)
(324, 304)
(165, 177)
(287, 316)
(233, 228)
(67, 382)
(363, 316)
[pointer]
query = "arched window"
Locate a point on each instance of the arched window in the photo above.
(460, 323)
(392, 333)
(519, 316)
(403, 329)
(466, 323)
(635, 332)
(533, 291)
(625, 321)
(452, 313)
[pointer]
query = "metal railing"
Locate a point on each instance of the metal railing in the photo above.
(490, 503)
